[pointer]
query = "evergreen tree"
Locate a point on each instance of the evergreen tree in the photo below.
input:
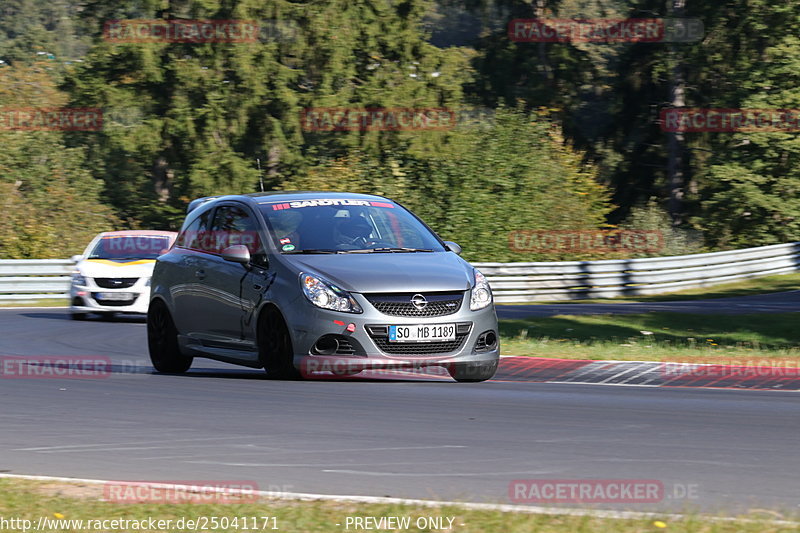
(209, 110)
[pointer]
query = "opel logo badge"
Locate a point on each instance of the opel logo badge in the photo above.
(419, 301)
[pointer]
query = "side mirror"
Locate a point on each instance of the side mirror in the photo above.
(76, 258)
(238, 253)
(452, 247)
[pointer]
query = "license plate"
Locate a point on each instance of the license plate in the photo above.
(423, 333)
(115, 296)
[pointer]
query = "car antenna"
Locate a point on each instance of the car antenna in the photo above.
(260, 176)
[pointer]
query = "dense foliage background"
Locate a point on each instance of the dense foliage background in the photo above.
(563, 136)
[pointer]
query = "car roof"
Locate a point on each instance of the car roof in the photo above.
(138, 233)
(283, 196)
(303, 194)
(289, 196)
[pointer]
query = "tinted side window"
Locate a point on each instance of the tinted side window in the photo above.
(235, 225)
(195, 235)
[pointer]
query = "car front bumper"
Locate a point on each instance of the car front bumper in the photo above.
(86, 299)
(367, 346)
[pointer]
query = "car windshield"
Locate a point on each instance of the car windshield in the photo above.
(325, 225)
(121, 247)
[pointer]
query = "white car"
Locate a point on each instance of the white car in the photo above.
(113, 274)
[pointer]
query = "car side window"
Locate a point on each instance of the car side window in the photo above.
(235, 225)
(195, 235)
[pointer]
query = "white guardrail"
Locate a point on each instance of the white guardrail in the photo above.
(34, 279)
(576, 280)
(42, 279)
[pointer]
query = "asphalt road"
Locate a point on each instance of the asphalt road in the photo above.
(777, 302)
(726, 450)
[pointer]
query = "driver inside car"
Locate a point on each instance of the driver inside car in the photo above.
(353, 232)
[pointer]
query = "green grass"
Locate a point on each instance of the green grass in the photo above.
(779, 283)
(35, 303)
(31, 500)
(667, 336)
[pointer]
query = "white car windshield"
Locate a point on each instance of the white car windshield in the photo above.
(120, 247)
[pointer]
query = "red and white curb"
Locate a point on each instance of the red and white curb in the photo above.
(758, 376)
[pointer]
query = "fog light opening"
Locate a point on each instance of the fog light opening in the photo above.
(490, 339)
(327, 345)
(486, 342)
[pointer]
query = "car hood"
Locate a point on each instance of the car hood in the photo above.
(389, 272)
(103, 268)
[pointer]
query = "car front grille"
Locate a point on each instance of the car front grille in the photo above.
(380, 335)
(114, 303)
(419, 348)
(399, 304)
(116, 283)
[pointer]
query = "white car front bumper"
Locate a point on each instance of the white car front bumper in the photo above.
(92, 298)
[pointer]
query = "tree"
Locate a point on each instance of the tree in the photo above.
(515, 175)
(209, 110)
(51, 204)
(31, 30)
(751, 192)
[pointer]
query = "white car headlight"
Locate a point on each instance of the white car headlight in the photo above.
(326, 295)
(481, 293)
(78, 279)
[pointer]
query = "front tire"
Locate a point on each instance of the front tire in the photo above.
(275, 346)
(162, 341)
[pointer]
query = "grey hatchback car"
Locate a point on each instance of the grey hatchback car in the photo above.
(306, 284)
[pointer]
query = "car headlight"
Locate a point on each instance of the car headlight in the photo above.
(326, 295)
(78, 279)
(481, 293)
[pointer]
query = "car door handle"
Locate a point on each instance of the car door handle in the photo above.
(200, 274)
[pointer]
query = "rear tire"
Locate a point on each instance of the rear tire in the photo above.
(275, 346)
(162, 341)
